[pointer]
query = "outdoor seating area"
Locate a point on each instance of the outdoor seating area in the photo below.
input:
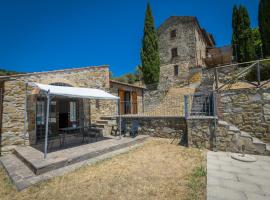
(71, 137)
(130, 130)
(62, 118)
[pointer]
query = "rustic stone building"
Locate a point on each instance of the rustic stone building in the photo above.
(182, 46)
(64, 112)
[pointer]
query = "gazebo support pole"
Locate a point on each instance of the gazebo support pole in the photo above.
(47, 124)
(119, 113)
(25, 113)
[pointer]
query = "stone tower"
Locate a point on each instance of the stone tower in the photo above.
(182, 47)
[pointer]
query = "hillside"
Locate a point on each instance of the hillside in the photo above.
(4, 72)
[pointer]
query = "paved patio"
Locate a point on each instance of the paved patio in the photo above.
(27, 165)
(229, 179)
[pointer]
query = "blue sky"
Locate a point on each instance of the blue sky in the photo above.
(41, 35)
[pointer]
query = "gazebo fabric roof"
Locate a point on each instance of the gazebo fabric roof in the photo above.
(75, 92)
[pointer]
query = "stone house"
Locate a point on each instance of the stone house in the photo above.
(182, 46)
(64, 112)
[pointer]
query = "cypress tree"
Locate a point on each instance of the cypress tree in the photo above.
(242, 35)
(264, 25)
(149, 52)
(247, 50)
(235, 34)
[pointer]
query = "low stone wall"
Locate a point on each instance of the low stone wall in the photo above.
(200, 134)
(248, 109)
(207, 133)
(165, 127)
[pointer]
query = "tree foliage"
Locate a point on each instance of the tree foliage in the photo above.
(149, 52)
(264, 25)
(257, 42)
(242, 39)
(4, 72)
(131, 78)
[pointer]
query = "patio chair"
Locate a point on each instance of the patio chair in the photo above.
(123, 128)
(134, 128)
(94, 132)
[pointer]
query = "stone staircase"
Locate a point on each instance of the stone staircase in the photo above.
(233, 139)
(107, 124)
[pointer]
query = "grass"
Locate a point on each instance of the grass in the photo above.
(155, 170)
(197, 182)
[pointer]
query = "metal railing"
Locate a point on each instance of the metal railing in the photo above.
(226, 76)
(200, 105)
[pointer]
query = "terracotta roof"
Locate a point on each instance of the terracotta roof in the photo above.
(127, 84)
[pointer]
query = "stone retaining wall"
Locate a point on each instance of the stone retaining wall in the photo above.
(200, 134)
(165, 127)
(248, 109)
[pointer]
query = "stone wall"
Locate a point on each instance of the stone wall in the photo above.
(14, 98)
(165, 127)
(200, 133)
(248, 109)
(190, 44)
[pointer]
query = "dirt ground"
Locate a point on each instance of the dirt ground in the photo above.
(155, 170)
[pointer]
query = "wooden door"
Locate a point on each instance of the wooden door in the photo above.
(134, 103)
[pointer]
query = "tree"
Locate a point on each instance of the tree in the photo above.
(235, 34)
(242, 35)
(149, 52)
(257, 42)
(264, 25)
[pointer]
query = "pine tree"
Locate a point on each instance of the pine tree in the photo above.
(242, 38)
(149, 52)
(264, 25)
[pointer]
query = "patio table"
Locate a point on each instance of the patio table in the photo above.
(66, 131)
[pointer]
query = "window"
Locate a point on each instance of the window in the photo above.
(173, 34)
(174, 52)
(40, 112)
(72, 107)
(175, 70)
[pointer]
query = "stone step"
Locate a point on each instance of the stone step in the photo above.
(245, 134)
(107, 118)
(222, 123)
(100, 126)
(260, 146)
(233, 128)
(34, 159)
(16, 170)
(257, 141)
(102, 122)
(267, 149)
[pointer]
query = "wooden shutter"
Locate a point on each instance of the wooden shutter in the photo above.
(134, 103)
(122, 101)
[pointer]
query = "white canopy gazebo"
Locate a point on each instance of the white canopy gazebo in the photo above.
(72, 92)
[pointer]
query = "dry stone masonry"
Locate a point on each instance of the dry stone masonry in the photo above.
(14, 99)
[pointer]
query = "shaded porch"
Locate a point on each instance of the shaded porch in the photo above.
(58, 116)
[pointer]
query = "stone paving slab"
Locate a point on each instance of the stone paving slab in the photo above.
(36, 162)
(229, 179)
(23, 177)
